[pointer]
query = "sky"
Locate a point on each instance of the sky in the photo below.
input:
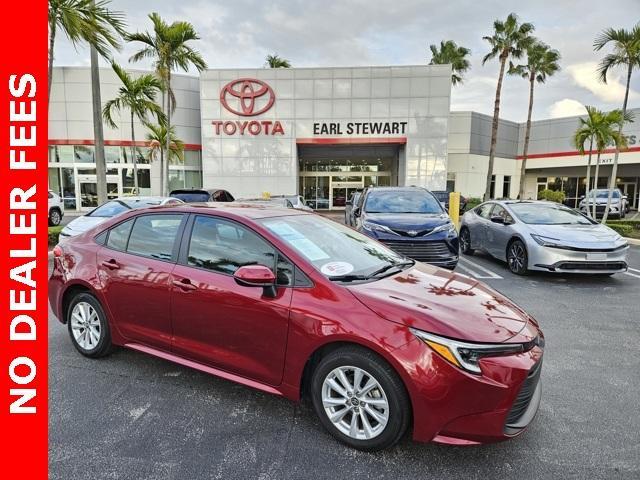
(311, 33)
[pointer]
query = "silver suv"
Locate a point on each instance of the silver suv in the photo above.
(619, 203)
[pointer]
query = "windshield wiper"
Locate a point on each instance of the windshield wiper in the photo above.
(386, 268)
(348, 278)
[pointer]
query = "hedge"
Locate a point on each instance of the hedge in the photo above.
(54, 234)
(473, 202)
(551, 196)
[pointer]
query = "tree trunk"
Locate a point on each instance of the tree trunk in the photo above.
(52, 40)
(588, 186)
(595, 185)
(162, 151)
(527, 136)
(614, 171)
(494, 128)
(168, 139)
(101, 168)
(134, 156)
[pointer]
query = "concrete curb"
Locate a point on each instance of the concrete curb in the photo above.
(632, 241)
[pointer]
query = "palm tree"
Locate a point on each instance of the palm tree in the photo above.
(510, 39)
(586, 131)
(138, 95)
(83, 21)
(542, 62)
(157, 138)
(451, 53)
(606, 131)
(275, 61)
(626, 53)
(169, 49)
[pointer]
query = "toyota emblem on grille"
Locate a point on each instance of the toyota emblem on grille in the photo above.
(253, 97)
(412, 233)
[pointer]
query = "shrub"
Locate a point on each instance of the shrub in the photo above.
(551, 196)
(54, 235)
(624, 230)
(473, 202)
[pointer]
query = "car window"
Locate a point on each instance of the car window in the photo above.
(402, 201)
(154, 235)
(191, 197)
(548, 214)
(109, 209)
(483, 210)
(225, 246)
(500, 211)
(119, 235)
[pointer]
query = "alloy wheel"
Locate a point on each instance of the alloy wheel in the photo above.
(85, 325)
(355, 402)
(465, 240)
(517, 257)
(54, 218)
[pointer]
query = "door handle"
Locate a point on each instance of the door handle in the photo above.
(184, 284)
(111, 264)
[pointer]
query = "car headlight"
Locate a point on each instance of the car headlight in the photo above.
(447, 227)
(466, 356)
(377, 227)
(548, 241)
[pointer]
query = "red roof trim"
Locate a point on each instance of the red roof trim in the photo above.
(574, 153)
(351, 140)
(117, 143)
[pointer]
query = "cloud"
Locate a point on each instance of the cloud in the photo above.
(585, 75)
(567, 107)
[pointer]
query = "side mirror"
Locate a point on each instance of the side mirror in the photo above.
(257, 276)
(581, 197)
(624, 197)
(498, 219)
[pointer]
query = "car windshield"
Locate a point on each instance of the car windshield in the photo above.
(192, 197)
(336, 251)
(604, 194)
(402, 201)
(542, 214)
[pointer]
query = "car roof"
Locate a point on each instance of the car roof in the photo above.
(396, 189)
(249, 210)
(196, 190)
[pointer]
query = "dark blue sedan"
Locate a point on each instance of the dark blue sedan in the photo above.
(410, 221)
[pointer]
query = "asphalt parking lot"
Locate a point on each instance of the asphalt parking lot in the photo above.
(137, 417)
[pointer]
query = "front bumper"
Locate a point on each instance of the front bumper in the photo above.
(455, 407)
(549, 259)
(437, 249)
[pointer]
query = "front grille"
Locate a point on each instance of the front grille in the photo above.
(594, 266)
(416, 233)
(523, 399)
(430, 252)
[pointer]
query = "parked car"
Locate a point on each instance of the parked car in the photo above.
(269, 202)
(110, 209)
(619, 203)
(443, 197)
(287, 301)
(56, 209)
(318, 204)
(197, 195)
(410, 221)
(545, 236)
(348, 209)
(297, 201)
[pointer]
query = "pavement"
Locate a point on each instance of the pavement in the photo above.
(133, 416)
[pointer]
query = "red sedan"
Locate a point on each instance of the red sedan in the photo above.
(292, 303)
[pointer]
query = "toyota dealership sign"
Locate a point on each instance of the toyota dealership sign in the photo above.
(247, 97)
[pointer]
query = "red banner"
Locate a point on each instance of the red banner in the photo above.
(23, 241)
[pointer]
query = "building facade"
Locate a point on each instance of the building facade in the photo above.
(321, 133)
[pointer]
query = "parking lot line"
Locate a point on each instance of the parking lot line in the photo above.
(632, 274)
(489, 273)
(634, 270)
(469, 271)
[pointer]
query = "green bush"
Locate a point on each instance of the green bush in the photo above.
(635, 224)
(54, 234)
(624, 230)
(551, 196)
(473, 202)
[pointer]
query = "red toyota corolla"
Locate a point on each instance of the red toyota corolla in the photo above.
(290, 303)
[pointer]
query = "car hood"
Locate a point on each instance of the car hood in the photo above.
(585, 236)
(445, 303)
(82, 224)
(601, 201)
(408, 221)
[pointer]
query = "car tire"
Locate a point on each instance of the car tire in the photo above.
(377, 425)
(465, 241)
(88, 326)
(55, 217)
(517, 257)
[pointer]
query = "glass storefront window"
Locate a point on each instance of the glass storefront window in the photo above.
(63, 154)
(192, 179)
(144, 181)
(141, 152)
(54, 181)
(112, 154)
(68, 186)
(84, 153)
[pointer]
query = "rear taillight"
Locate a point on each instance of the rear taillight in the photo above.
(57, 251)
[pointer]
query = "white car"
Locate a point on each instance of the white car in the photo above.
(296, 200)
(56, 209)
(111, 209)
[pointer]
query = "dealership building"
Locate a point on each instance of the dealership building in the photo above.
(319, 132)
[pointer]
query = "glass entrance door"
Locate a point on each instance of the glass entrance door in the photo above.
(629, 189)
(88, 190)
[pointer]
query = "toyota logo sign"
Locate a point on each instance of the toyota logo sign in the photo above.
(247, 97)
